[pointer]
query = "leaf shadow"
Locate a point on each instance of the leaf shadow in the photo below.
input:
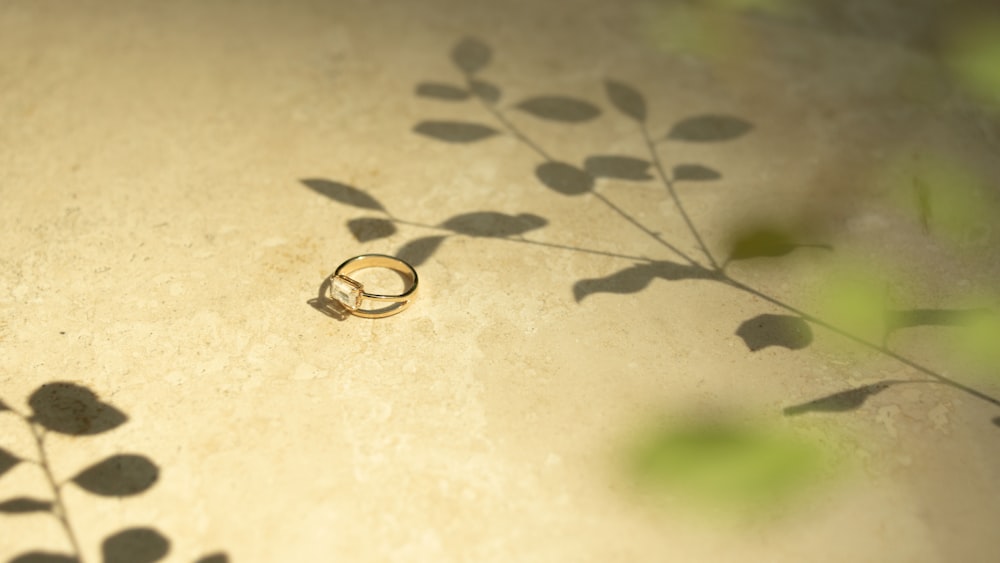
(471, 55)
(709, 128)
(564, 178)
(8, 461)
(842, 401)
(135, 545)
(442, 91)
(418, 251)
(626, 99)
(44, 557)
(786, 331)
(119, 475)
(455, 131)
(72, 409)
(635, 278)
(493, 224)
(343, 193)
(559, 108)
(695, 173)
(367, 229)
(68, 408)
(618, 167)
(24, 505)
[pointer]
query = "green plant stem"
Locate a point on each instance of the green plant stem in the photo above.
(669, 183)
(857, 339)
(58, 505)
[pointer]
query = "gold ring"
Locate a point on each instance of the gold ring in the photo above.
(352, 295)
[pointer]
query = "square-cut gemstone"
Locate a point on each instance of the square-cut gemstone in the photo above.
(346, 290)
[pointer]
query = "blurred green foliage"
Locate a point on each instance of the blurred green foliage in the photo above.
(944, 194)
(974, 53)
(855, 301)
(726, 465)
(688, 30)
(979, 342)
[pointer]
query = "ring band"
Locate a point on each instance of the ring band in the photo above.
(351, 294)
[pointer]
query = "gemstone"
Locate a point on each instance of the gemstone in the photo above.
(346, 290)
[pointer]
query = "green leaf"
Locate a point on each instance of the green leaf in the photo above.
(68, 408)
(709, 128)
(455, 131)
(471, 55)
(7, 461)
(564, 178)
(343, 193)
(626, 99)
(21, 505)
(909, 318)
(486, 91)
(135, 545)
(766, 330)
(119, 475)
(559, 108)
(442, 91)
(765, 242)
(695, 173)
(618, 167)
(367, 229)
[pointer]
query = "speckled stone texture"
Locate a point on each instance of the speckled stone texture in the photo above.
(178, 178)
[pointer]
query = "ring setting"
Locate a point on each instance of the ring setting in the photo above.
(351, 294)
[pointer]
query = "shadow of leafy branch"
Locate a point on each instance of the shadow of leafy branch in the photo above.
(791, 329)
(73, 410)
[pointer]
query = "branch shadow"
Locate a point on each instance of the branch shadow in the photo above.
(71, 409)
(471, 55)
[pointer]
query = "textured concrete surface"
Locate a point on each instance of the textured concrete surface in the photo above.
(160, 249)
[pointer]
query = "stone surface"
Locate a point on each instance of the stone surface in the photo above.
(178, 178)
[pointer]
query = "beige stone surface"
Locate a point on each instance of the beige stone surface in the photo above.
(159, 249)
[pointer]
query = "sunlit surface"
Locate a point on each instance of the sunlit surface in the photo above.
(699, 281)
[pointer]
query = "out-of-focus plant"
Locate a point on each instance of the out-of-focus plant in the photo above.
(946, 196)
(973, 51)
(732, 464)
